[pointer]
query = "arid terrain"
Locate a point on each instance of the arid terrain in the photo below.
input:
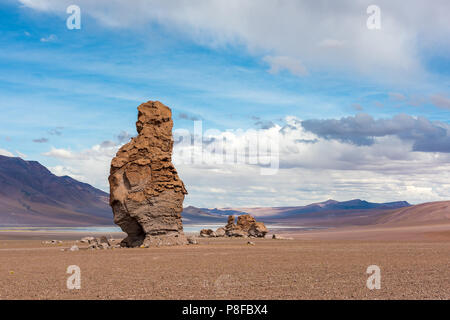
(413, 254)
(232, 269)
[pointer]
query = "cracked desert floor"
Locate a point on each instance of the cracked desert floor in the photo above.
(310, 266)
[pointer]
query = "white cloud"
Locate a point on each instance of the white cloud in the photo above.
(289, 28)
(89, 165)
(311, 169)
(22, 155)
(67, 171)
(5, 153)
(60, 153)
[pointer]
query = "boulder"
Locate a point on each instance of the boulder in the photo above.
(246, 226)
(230, 223)
(207, 233)
(86, 239)
(104, 240)
(192, 240)
(237, 232)
(220, 232)
(258, 230)
(146, 193)
(245, 222)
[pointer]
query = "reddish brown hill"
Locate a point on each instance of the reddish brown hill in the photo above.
(31, 195)
(425, 213)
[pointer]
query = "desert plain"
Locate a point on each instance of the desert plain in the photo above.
(327, 264)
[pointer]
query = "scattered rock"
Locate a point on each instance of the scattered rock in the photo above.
(278, 237)
(251, 243)
(52, 242)
(238, 233)
(98, 243)
(104, 240)
(192, 240)
(220, 232)
(207, 233)
(87, 239)
(146, 193)
(258, 230)
(74, 248)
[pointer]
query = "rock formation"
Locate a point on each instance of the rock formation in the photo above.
(146, 194)
(246, 227)
(207, 233)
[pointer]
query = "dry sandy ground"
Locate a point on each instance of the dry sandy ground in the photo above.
(230, 269)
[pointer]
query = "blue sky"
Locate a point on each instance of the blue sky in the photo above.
(71, 90)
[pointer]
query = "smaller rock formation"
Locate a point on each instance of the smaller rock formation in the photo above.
(258, 230)
(192, 240)
(87, 239)
(207, 233)
(220, 232)
(246, 227)
(98, 243)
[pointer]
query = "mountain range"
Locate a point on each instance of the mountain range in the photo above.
(31, 195)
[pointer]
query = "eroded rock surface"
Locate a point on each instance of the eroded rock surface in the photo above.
(246, 226)
(146, 194)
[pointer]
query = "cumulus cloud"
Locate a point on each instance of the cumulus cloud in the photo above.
(312, 167)
(362, 129)
(66, 171)
(5, 153)
(89, 165)
(289, 29)
(59, 153)
(22, 155)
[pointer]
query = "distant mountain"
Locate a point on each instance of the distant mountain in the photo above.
(333, 213)
(193, 215)
(331, 207)
(31, 195)
(425, 213)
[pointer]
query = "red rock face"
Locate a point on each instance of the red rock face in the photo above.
(246, 227)
(146, 194)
